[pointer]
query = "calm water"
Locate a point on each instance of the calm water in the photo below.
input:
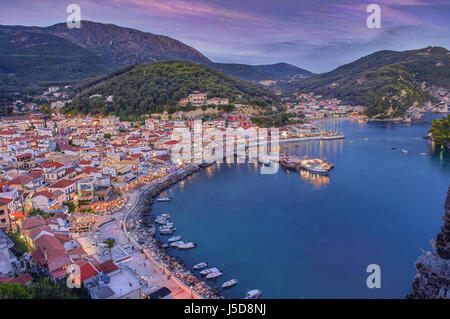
(298, 235)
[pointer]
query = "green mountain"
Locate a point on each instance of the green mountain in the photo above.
(152, 87)
(256, 73)
(28, 58)
(388, 82)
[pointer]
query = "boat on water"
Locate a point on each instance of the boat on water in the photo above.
(229, 283)
(423, 154)
(214, 274)
(288, 165)
(177, 243)
(200, 266)
(404, 151)
(253, 294)
(165, 215)
(351, 142)
(208, 271)
(316, 165)
(164, 230)
(186, 245)
(174, 239)
(163, 199)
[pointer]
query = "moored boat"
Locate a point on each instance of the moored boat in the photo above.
(186, 245)
(229, 283)
(163, 199)
(200, 266)
(253, 294)
(174, 239)
(208, 271)
(177, 243)
(214, 274)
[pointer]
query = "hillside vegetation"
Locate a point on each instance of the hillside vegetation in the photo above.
(388, 82)
(153, 87)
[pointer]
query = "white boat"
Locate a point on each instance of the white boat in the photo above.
(177, 243)
(174, 239)
(316, 168)
(164, 230)
(165, 215)
(200, 266)
(185, 245)
(207, 271)
(253, 294)
(229, 283)
(214, 274)
(404, 151)
(163, 199)
(423, 154)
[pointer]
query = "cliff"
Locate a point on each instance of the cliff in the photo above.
(433, 268)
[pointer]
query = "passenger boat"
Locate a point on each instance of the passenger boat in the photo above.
(185, 245)
(253, 294)
(174, 239)
(163, 199)
(208, 271)
(200, 266)
(214, 274)
(229, 283)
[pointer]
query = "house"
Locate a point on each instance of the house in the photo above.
(119, 284)
(68, 188)
(45, 201)
(6, 255)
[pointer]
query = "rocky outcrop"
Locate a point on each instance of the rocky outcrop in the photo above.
(433, 268)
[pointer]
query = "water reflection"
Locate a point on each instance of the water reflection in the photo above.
(317, 180)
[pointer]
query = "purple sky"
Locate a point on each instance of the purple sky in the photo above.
(318, 35)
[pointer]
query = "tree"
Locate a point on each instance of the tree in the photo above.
(110, 244)
(440, 130)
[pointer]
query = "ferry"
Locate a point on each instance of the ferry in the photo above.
(229, 283)
(185, 245)
(208, 271)
(163, 199)
(214, 274)
(200, 266)
(316, 165)
(253, 294)
(174, 239)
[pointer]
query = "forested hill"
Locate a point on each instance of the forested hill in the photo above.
(388, 82)
(151, 87)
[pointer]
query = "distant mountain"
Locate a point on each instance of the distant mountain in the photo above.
(151, 87)
(257, 73)
(388, 82)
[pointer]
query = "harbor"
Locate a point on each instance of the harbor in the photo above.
(329, 212)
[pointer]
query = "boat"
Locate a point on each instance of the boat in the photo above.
(208, 271)
(165, 246)
(164, 230)
(214, 274)
(163, 199)
(229, 283)
(288, 165)
(351, 142)
(423, 154)
(253, 294)
(166, 215)
(177, 243)
(316, 168)
(174, 239)
(404, 151)
(186, 245)
(200, 266)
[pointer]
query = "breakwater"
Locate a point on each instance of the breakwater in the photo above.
(143, 234)
(433, 268)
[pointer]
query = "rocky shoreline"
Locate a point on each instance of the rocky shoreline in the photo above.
(433, 268)
(144, 233)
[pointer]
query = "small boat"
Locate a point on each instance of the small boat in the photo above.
(208, 271)
(165, 246)
(163, 199)
(214, 274)
(423, 154)
(166, 215)
(229, 283)
(200, 266)
(177, 243)
(288, 165)
(366, 138)
(404, 151)
(174, 239)
(393, 148)
(351, 142)
(185, 245)
(164, 230)
(316, 168)
(253, 294)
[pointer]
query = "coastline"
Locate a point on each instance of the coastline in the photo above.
(142, 235)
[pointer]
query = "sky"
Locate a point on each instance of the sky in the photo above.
(317, 35)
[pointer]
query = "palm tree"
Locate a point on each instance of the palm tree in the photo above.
(110, 244)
